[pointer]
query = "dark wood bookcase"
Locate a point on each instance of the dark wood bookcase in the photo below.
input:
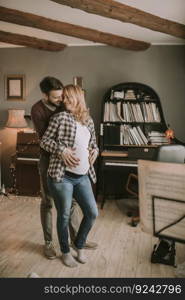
(127, 105)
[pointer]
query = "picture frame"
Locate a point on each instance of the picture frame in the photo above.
(15, 87)
(78, 80)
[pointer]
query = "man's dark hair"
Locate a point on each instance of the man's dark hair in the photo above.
(49, 83)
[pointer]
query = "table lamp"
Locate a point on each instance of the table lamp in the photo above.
(16, 119)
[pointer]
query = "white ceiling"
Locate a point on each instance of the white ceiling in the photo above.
(169, 9)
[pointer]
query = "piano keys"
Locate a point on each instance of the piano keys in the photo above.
(119, 163)
(27, 159)
(116, 164)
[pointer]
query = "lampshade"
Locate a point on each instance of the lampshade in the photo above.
(16, 118)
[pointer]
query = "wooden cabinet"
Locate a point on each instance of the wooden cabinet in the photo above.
(27, 178)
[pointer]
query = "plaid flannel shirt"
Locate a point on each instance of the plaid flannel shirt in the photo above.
(60, 134)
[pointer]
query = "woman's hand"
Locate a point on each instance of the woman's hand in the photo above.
(93, 153)
(69, 158)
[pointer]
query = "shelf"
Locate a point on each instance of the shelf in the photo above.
(131, 100)
(120, 123)
(129, 146)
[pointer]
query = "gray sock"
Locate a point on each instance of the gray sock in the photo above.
(81, 256)
(68, 260)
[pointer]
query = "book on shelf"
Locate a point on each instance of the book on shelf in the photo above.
(144, 112)
(139, 112)
(156, 133)
(130, 95)
(132, 135)
(113, 116)
(130, 112)
(106, 116)
(118, 94)
(135, 113)
(112, 134)
(118, 105)
(112, 95)
(147, 97)
(143, 137)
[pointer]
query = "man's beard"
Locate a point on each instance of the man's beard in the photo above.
(57, 104)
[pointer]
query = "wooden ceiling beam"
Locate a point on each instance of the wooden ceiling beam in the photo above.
(39, 22)
(32, 42)
(116, 10)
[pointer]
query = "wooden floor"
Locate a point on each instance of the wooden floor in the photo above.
(123, 251)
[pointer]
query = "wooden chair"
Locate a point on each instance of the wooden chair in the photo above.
(164, 251)
(173, 153)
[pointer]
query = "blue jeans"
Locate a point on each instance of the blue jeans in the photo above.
(62, 193)
(47, 204)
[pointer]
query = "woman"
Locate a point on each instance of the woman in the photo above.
(71, 134)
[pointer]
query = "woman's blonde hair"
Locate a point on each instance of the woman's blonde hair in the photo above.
(73, 97)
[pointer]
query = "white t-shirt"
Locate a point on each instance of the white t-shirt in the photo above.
(81, 144)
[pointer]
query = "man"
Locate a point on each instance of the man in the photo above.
(41, 112)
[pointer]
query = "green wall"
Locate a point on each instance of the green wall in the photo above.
(161, 67)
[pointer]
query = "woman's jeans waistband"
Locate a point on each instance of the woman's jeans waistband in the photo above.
(73, 175)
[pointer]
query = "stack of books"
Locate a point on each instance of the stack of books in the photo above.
(157, 138)
(130, 95)
(118, 94)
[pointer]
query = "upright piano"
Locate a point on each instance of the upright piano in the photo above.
(27, 180)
